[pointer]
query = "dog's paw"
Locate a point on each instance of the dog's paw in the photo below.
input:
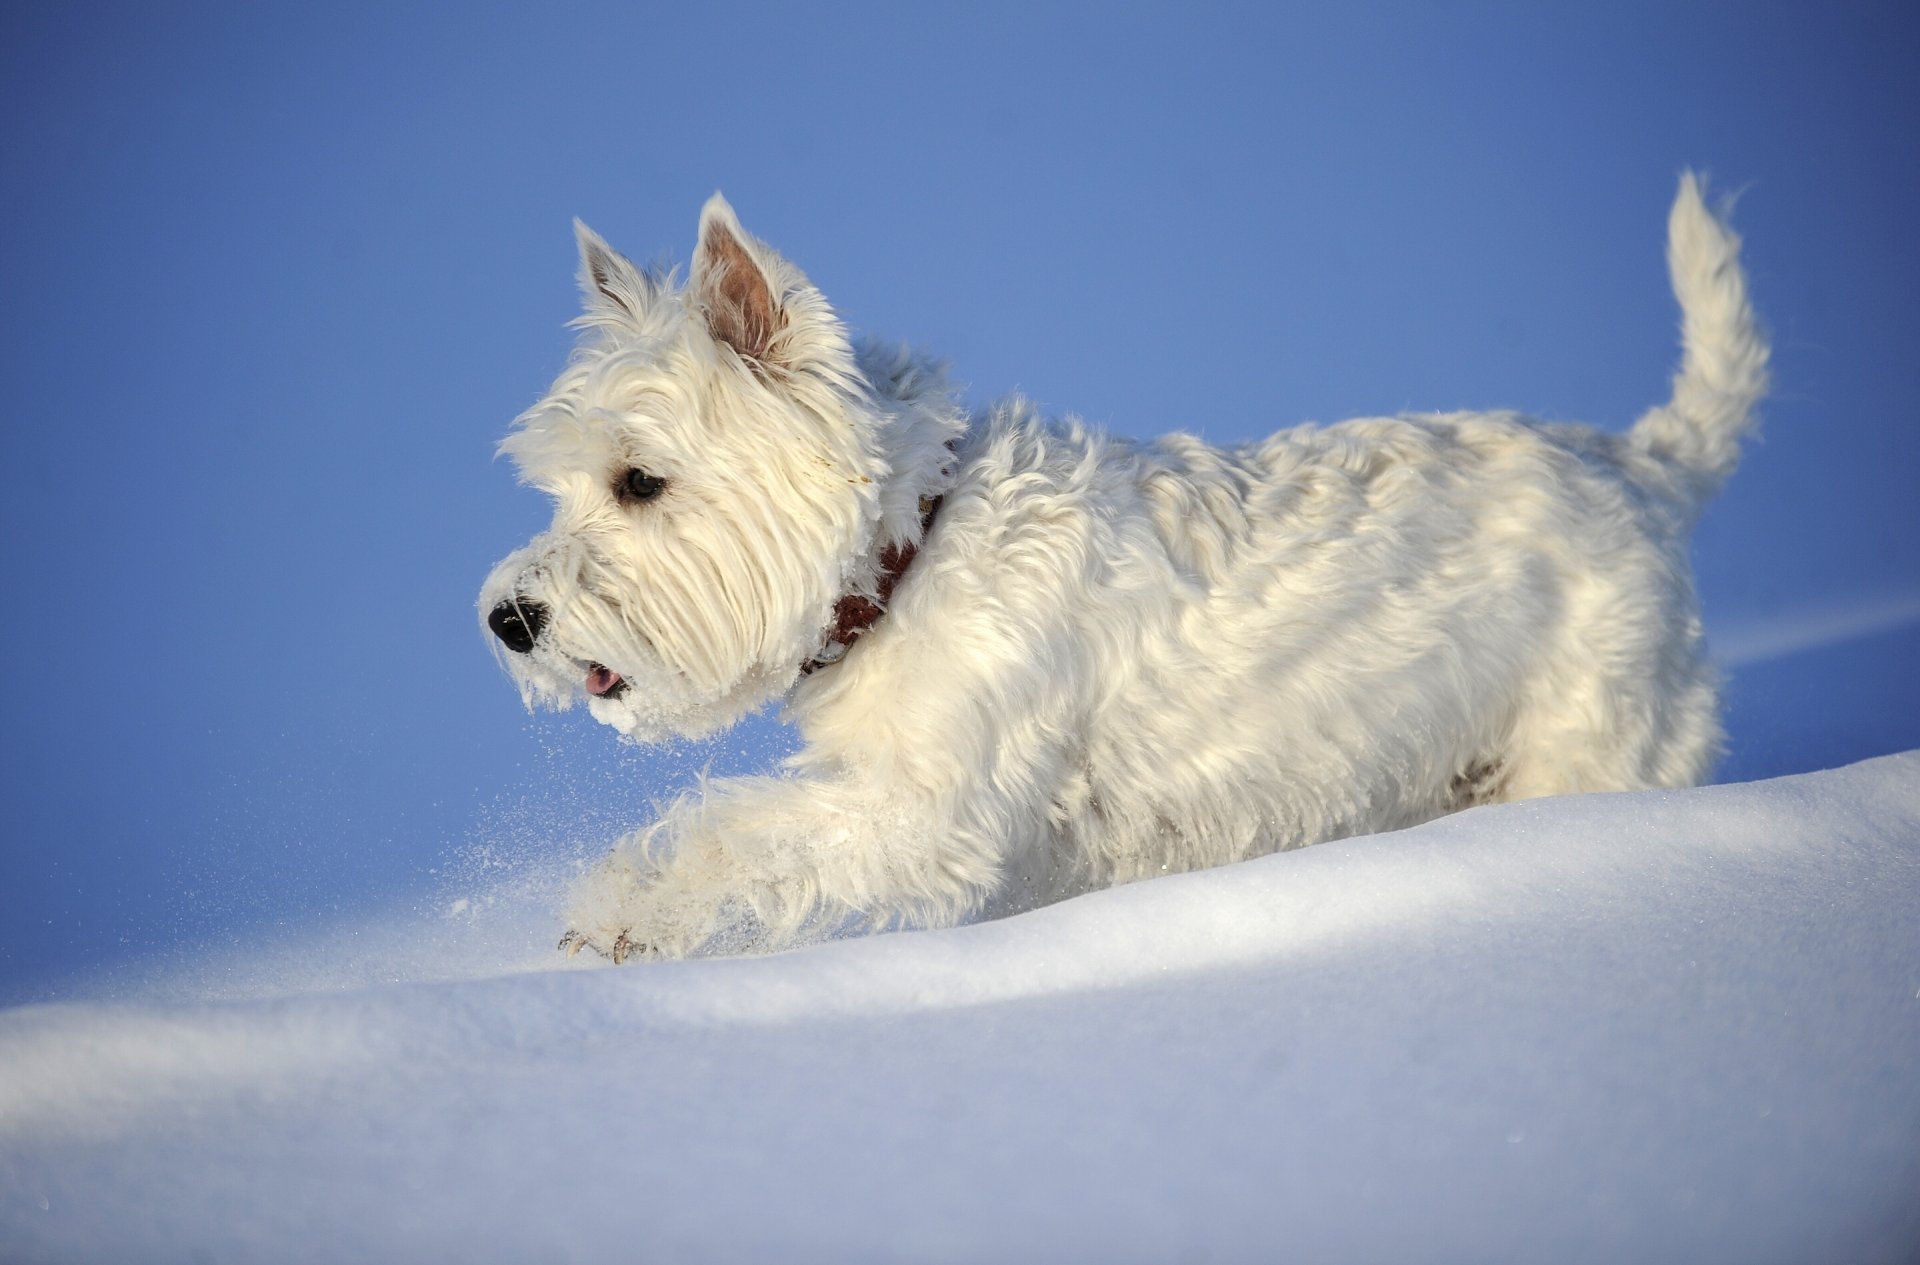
(632, 906)
(618, 950)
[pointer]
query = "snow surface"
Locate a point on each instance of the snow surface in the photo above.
(1679, 1026)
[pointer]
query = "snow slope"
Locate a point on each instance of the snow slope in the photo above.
(1646, 1027)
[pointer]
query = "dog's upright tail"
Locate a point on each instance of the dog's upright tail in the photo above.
(1723, 373)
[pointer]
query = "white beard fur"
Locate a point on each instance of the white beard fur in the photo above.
(1109, 659)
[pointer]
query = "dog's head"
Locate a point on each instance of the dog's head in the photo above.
(716, 461)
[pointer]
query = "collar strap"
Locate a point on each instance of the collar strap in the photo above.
(855, 613)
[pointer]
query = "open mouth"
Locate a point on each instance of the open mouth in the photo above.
(604, 682)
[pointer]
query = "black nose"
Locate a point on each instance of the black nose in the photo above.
(517, 621)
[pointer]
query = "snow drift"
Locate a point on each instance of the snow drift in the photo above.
(1644, 1027)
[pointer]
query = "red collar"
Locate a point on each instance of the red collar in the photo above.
(854, 613)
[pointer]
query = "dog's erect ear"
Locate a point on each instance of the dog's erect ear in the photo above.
(608, 280)
(733, 282)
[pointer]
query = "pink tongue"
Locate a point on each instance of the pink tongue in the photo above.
(600, 680)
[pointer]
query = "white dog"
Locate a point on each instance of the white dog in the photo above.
(1028, 657)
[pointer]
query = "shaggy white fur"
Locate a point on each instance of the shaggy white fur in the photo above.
(1108, 659)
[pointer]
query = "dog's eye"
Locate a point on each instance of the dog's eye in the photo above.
(637, 485)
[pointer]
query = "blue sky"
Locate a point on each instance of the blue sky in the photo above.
(278, 277)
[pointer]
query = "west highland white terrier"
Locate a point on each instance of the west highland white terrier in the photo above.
(1028, 658)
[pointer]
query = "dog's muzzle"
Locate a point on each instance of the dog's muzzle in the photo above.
(517, 622)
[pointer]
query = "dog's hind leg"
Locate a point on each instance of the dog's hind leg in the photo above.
(1483, 781)
(1597, 725)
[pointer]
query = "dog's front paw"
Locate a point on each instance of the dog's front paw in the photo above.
(621, 911)
(618, 950)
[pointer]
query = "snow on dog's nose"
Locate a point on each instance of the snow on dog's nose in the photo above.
(517, 622)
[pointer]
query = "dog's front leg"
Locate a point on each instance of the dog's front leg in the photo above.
(750, 863)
